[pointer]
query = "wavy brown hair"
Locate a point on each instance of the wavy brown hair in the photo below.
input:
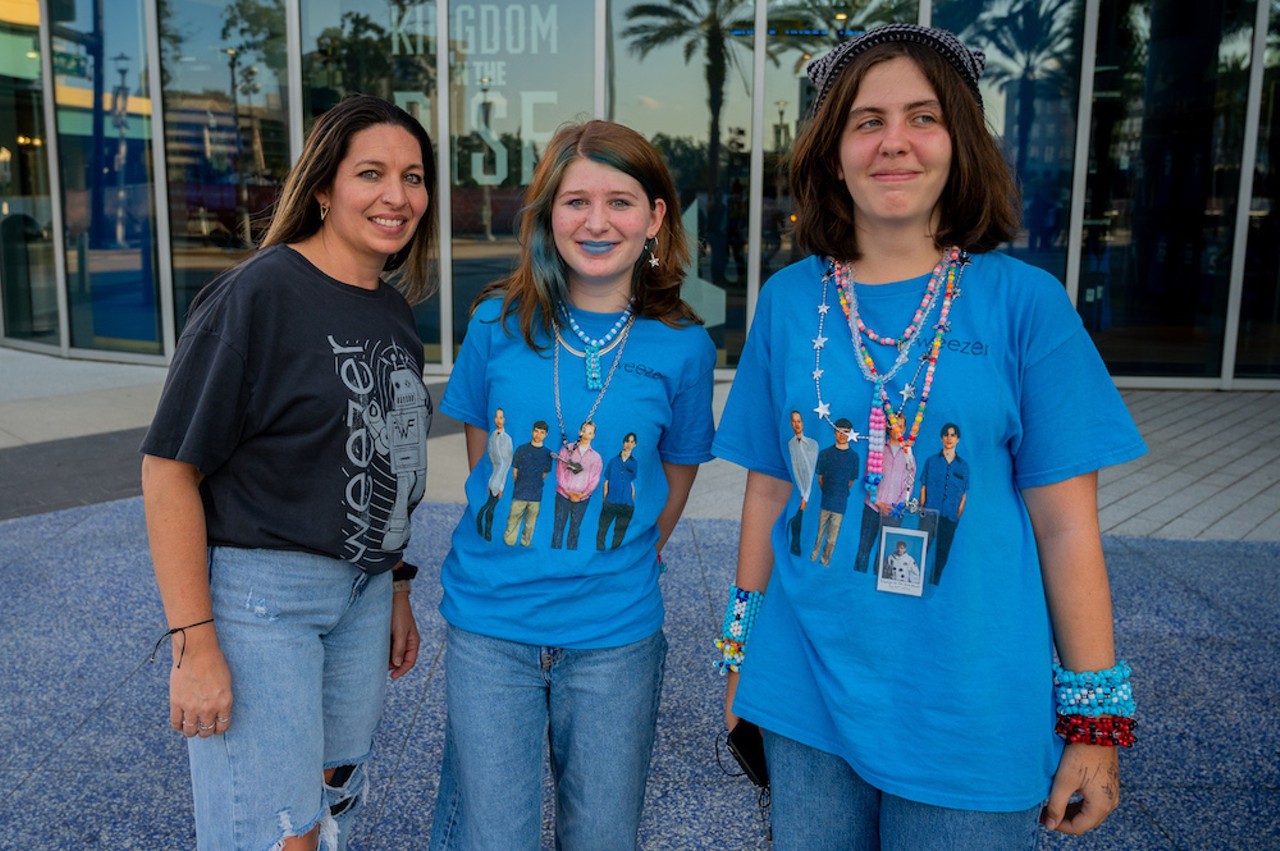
(979, 206)
(297, 213)
(539, 283)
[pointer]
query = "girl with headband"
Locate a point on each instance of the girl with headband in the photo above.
(934, 709)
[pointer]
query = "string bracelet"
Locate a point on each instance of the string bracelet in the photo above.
(178, 629)
(1094, 693)
(739, 617)
(1109, 731)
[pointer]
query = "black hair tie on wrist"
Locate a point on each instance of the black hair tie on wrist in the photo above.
(182, 629)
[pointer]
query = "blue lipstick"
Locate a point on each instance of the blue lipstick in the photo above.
(594, 247)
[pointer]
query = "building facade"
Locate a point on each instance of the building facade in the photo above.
(142, 143)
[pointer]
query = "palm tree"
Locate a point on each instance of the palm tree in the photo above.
(1031, 45)
(712, 28)
(824, 23)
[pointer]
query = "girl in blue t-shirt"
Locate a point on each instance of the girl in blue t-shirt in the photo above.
(903, 706)
(603, 376)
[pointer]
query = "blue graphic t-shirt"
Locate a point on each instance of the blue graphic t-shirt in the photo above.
(538, 576)
(934, 685)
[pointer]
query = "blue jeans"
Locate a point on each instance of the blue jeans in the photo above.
(820, 802)
(596, 709)
(307, 639)
(573, 512)
(617, 513)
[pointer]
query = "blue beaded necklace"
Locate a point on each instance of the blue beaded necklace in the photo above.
(593, 347)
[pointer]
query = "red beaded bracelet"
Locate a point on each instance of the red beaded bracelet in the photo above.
(1106, 730)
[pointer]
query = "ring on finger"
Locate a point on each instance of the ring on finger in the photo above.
(223, 720)
(204, 728)
(187, 723)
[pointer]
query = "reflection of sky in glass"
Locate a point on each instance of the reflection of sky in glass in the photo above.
(116, 41)
(199, 63)
(664, 94)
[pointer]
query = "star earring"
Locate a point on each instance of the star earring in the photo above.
(651, 245)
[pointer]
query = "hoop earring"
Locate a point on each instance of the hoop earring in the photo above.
(651, 246)
(324, 211)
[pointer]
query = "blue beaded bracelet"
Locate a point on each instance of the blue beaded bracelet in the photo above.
(739, 617)
(1094, 693)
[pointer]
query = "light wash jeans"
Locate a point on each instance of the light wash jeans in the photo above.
(307, 639)
(597, 710)
(820, 803)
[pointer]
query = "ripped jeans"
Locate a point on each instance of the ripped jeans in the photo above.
(307, 640)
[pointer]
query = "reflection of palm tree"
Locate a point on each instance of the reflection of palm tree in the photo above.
(1031, 44)
(823, 24)
(712, 27)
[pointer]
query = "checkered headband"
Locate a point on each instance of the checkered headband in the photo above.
(825, 70)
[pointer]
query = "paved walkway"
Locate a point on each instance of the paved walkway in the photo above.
(86, 759)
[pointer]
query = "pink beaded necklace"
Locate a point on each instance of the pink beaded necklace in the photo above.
(952, 266)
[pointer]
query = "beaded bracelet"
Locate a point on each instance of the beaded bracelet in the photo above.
(1094, 693)
(739, 616)
(1110, 731)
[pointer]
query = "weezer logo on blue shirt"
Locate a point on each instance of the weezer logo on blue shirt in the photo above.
(968, 347)
(642, 370)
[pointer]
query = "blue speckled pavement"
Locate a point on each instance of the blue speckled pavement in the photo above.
(87, 759)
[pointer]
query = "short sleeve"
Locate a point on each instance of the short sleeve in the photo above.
(748, 430)
(1073, 418)
(204, 408)
(465, 396)
(688, 440)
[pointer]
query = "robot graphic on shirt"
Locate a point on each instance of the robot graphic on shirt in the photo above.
(385, 446)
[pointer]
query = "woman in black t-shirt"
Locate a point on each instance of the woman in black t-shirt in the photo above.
(286, 455)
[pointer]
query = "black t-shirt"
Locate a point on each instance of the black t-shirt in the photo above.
(301, 400)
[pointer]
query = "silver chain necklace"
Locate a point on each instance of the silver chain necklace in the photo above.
(617, 359)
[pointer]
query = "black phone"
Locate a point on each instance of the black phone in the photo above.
(747, 747)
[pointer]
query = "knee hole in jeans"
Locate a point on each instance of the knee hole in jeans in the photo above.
(337, 779)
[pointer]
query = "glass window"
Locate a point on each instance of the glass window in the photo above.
(1030, 89)
(349, 47)
(1258, 351)
(518, 71)
(681, 76)
(226, 131)
(1164, 170)
(104, 145)
(798, 34)
(27, 275)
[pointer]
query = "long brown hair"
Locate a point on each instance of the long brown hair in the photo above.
(979, 204)
(297, 213)
(539, 283)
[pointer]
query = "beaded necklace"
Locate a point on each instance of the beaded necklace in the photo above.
(604, 386)
(592, 346)
(952, 266)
